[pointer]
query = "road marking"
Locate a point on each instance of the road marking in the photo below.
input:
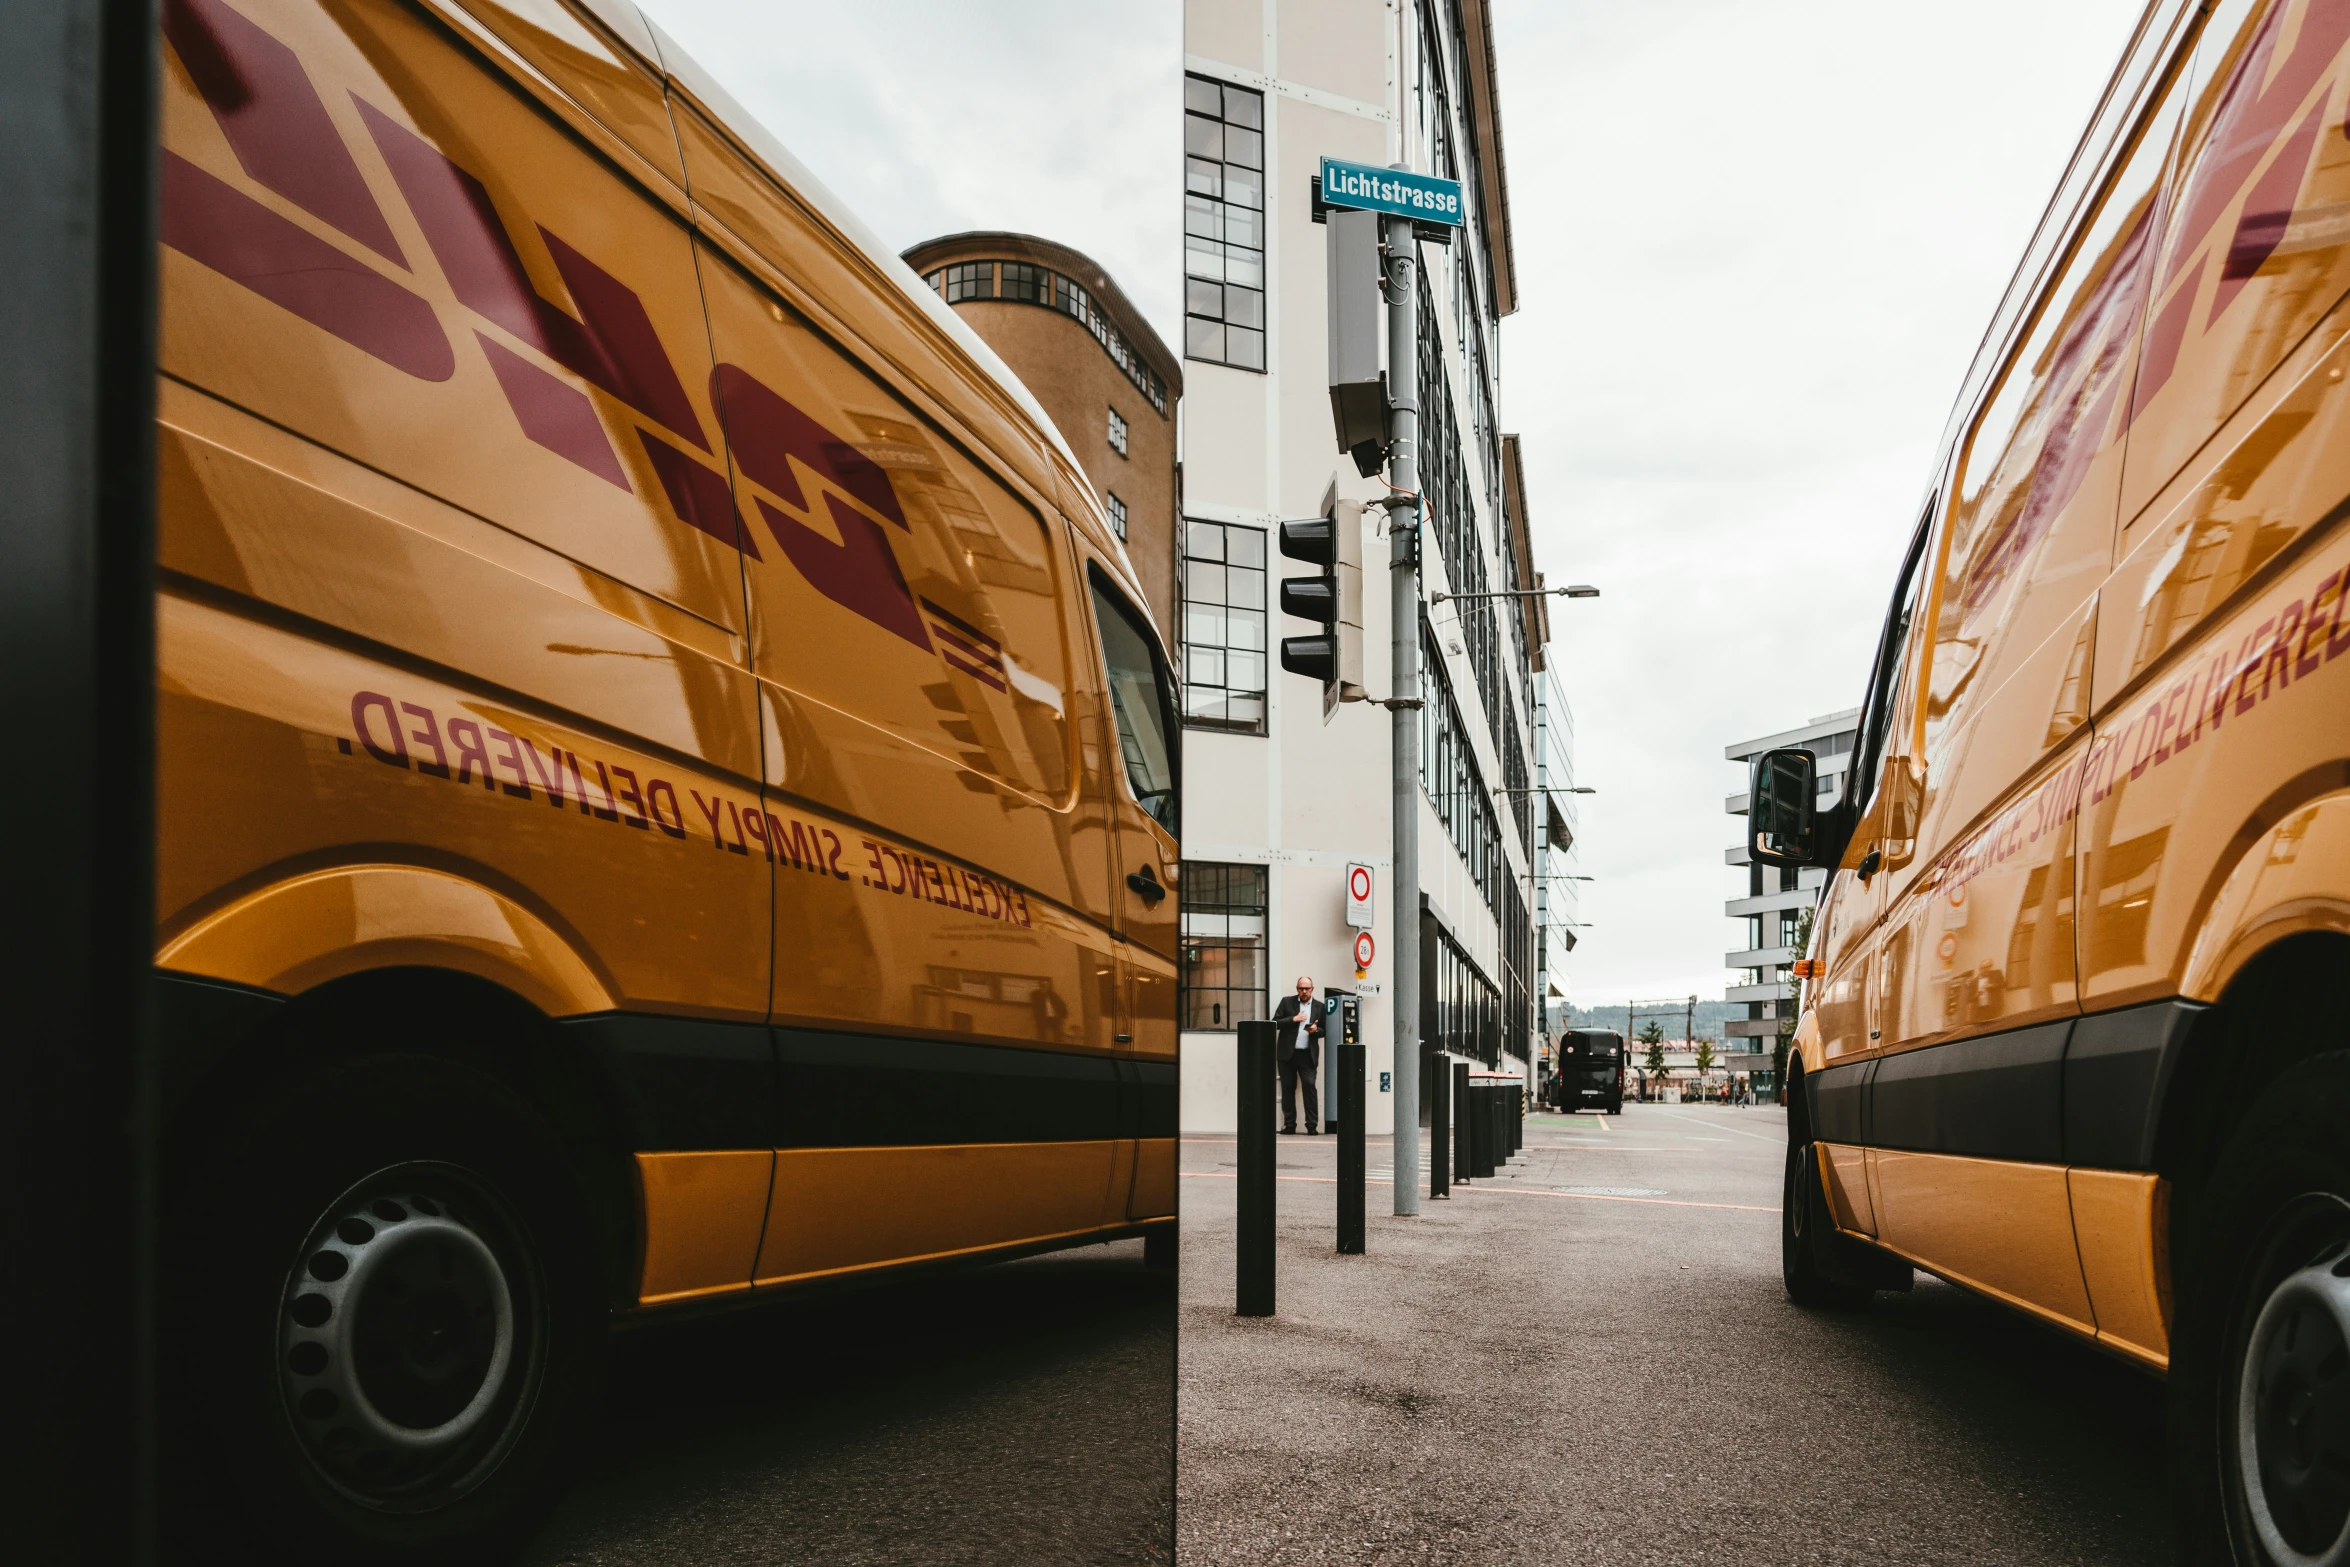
(1694, 1121)
(1509, 1191)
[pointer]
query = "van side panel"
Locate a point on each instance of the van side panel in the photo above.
(427, 602)
(1998, 1227)
(2122, 1220)
(2244, 725)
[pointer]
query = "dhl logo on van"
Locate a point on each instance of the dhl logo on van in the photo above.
(284, 139)
(2088, 370)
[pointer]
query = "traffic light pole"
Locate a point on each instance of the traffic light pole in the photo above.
(1402, 268)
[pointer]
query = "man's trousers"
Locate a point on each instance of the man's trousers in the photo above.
(1297, 1071)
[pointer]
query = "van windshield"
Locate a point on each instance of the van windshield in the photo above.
(1141, 701)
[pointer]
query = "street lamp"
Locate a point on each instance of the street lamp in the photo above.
(1581, 590)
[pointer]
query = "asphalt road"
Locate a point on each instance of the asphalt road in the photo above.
(1010, 1415)
(1591, 1360)
(998, 1417)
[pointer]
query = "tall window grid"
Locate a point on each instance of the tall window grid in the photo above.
(1454, 783)
(1117, 511)
(1223, 223)
(1224, 626)
(1223, 945)
(1444, 480)
(1460, 1010)
(1117, 433)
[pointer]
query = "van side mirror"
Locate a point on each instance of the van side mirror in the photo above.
(1782, 808)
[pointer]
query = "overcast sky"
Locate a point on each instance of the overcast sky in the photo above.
(1756, 246)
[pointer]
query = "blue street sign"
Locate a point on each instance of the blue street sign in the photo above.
(1366, 187)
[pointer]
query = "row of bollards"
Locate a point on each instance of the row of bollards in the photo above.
(1472, 1128)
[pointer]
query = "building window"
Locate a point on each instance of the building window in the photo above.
(970, 280)
(1117, 433)
(1029, 285)
(1460, 1010)
(1224, 626)
(1117, 510)
(1223, 224)
(1223, 945)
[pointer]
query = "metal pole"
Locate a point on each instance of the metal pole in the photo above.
(1403, 527)
(1350, 1150)
(1253, 1277)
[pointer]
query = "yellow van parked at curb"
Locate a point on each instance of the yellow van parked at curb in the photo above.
(2074, 1034)
(666, 796)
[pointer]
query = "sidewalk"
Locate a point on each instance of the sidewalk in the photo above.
(1439, 1398)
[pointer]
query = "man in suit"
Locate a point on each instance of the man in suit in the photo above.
(1298, 1042)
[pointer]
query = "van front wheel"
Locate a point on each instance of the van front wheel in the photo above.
(1807, 1232)
(2260, 1369)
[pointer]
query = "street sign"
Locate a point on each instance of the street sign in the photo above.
(1363, 951)
(1358, 897)
(1368, 188)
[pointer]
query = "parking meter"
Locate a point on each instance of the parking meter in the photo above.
(1341, 1025)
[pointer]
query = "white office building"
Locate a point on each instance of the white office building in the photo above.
(1775, 899)
(1277, 801)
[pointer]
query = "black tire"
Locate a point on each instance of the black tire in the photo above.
(2263, 1296)
(393, 1319)
(1807, 1233)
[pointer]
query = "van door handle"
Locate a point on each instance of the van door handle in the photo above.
(1145, 885)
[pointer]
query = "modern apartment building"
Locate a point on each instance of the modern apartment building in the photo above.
(1775, 901)
(1278, 802)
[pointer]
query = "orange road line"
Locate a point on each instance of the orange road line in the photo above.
(1507, 1191)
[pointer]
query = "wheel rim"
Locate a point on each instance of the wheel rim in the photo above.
(408, 1339)
(2291, 1411)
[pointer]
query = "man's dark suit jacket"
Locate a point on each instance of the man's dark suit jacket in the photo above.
(1286, 1017)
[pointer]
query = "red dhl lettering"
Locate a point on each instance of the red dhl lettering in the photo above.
(650, 801)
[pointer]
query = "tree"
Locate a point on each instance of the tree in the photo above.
(1705, 1056)
(1653, 1036)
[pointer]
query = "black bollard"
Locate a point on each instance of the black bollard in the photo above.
(1464, 1100)
(1254, 1276)
(1350, 1150)
(1437, 1074)
(1481, 1130)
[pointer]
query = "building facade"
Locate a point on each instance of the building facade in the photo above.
(1278, 801)
(1110, 382)
(1558, 877)
(1776, 899)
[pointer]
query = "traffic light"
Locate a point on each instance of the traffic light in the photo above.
(1334, 542)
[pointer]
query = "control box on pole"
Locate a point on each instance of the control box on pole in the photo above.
(1358, 388)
